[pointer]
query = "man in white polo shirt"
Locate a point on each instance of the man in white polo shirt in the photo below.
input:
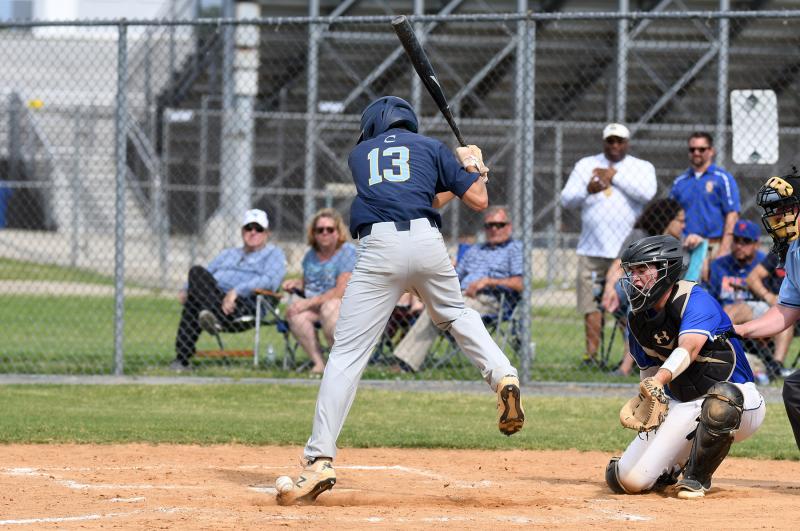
(610, 188)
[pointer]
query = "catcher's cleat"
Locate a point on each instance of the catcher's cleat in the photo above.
(317, 477)
(690, 488)
(510, 416)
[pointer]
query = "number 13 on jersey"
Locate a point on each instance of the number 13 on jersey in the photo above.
(398, 172)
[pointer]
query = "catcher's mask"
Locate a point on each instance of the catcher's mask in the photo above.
(665, 254)
(781, 205)
(385, 113)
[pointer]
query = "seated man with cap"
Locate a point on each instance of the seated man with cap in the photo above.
(223, 291)
(727, 279)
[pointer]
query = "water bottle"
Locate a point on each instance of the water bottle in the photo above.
(270, 355)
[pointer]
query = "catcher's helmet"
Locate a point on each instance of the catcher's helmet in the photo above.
(666, 254)
(781, 205)
(385, 113)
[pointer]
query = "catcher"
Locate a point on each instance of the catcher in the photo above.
(697, 394)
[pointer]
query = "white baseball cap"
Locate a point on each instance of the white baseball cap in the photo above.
(256, 215)
(617, 130)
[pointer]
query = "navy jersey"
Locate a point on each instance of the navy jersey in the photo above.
(703, 315)
(398, 173)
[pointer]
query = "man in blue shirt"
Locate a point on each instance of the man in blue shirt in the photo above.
(483, 270)
(401, 179)
(223, 291)
(728, 274)
(780, 199)
(709, 195)
(678, 337)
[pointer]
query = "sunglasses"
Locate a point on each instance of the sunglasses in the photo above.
(615, 140)
(326, 230)
(253, 226)
(495, 225)
(701, 149)
(742, 241)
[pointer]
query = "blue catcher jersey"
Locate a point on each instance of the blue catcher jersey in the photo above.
(398, 173)
(703, 315)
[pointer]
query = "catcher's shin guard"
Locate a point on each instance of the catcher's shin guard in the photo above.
(510, 416)
(612, 477)
(317, 477)
(720, 417)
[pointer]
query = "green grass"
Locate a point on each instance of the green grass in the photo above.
(282, 414)
(75, 335)
(34, 271)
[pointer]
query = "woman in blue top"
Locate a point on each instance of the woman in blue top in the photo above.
(326, 269)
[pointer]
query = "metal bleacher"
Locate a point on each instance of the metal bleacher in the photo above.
(671, 86)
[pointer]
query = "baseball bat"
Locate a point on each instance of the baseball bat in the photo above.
(425, 71)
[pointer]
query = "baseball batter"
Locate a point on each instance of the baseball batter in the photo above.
(401, 179)
(694, 375)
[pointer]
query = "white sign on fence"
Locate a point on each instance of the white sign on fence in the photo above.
(754, 117)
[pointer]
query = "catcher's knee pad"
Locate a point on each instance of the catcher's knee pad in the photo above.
(720, 417)
(722, 408)
(612, 477)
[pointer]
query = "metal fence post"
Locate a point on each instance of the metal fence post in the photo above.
(121, 132)
(622, 63)
(722, 83)
(312, 64)
(528, 166)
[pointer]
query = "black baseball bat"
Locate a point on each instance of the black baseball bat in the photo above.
(425, 71)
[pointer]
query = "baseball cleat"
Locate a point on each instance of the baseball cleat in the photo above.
(510, 416)
(317, 477)
(690, 488)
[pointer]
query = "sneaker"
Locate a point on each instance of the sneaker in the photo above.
(786, 372)
(592, 363)
(317, 477)
(689, 489)
(209, 322)
(179, 366)
(510, 416)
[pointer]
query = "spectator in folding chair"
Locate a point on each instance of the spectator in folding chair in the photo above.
(327, 267)
(659, 217)
(217, 296)
(497, 263)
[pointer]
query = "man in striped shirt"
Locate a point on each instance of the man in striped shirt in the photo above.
(709, 195)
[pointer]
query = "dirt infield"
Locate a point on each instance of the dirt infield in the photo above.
(231, 487)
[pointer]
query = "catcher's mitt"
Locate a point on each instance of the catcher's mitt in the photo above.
(647, 411)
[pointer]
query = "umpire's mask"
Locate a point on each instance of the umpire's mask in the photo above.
(781, 206)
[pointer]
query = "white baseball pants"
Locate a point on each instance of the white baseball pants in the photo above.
(389, 263)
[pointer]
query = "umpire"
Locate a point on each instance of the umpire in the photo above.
(780, 200)
(401, 179)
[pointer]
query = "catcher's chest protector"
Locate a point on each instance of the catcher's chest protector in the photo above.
(658, 337)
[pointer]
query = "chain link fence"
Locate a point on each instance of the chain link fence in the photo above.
(130, 151)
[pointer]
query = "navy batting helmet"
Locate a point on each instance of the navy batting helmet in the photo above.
(781, 205)
(666, 254)
(385, 113)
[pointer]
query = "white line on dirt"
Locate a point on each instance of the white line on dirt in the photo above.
(50, 520)
(425, 473)
(127, 500)
(70, 484)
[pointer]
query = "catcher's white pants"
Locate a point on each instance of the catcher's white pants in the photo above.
(389, 263)
(651, 455)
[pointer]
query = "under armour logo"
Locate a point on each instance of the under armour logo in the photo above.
(389, 139)
(663, 336)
